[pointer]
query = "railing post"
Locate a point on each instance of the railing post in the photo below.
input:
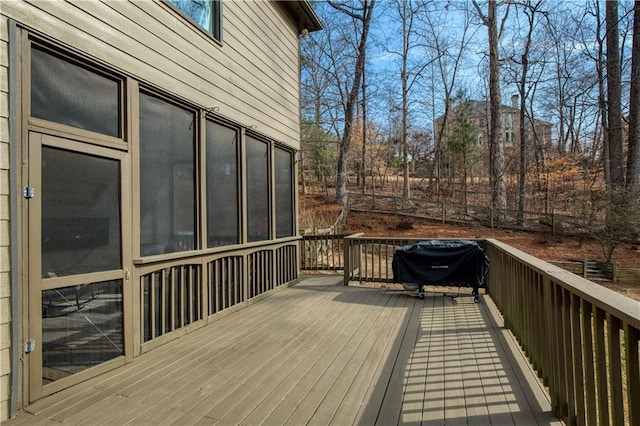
(614, 269)
(584, 268)
(633, 372)
(346, 244)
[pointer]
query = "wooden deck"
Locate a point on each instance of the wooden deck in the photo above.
(321, 353)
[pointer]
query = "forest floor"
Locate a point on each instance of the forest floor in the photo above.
(320, 211)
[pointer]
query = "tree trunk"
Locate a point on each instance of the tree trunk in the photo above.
(303, 184)
(602, 102)
(363, 160)
(496, 155)
(405, 149)
(614, 96)
(633, 154)
(352, 97)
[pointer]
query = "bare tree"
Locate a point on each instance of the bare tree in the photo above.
(407, 12)
(573, 75)
(496, 155)
(315, 81)
(412, 42)
(614, 96)
(448, 53)
(530, 8)
(633, 154)
(362, 14)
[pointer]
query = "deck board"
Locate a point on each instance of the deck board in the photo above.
(321, 353)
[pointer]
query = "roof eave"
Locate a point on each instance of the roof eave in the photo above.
(305, 16)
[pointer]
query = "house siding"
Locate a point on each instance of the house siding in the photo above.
(5, 278)
(251, 78)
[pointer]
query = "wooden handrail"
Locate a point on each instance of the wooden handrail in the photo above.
(574, 332)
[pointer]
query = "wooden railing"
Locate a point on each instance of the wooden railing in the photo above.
(581, 338)
(322, 252)
(369, 259)
(179, 294)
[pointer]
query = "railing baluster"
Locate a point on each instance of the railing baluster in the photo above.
(578, 374)
(559, 353)
(568, 357)
(631, 337)
(588, 351)
(615, 370)
(601, 367)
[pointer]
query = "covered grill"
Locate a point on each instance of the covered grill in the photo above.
(441, 262)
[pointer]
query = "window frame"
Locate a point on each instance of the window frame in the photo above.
(122, 141)
(292, 182)
(247, 178)
(239, 152)
(186, 106)
(215, 32)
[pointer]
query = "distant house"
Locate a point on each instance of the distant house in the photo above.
(478, 115)
(148, 176)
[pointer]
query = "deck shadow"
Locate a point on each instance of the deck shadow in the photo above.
(452, 363)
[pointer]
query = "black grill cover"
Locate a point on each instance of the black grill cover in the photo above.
(443, 262)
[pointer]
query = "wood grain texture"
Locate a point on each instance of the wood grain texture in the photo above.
(321, 353)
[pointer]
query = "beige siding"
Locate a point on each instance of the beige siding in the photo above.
(5, 277)
(5, 389)
(252, 77)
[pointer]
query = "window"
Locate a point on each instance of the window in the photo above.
(66, 93)
(284, 193)
(80, 213)
(258, 184)
(167, 177)
(509, 129)
(207, 14)
(222, 185)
